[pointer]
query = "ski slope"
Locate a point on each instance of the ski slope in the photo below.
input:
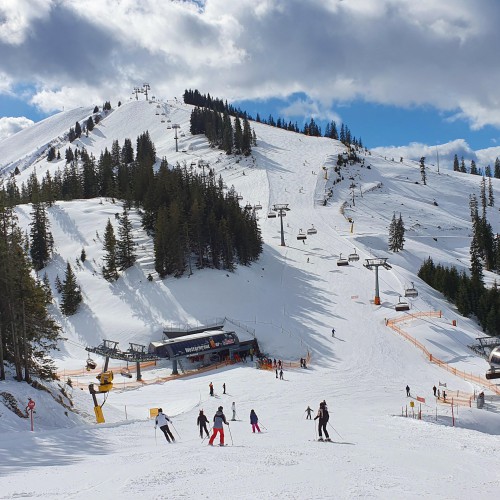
(292, 297)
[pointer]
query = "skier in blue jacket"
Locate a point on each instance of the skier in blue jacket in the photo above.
(254, 420)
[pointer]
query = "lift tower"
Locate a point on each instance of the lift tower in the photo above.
(282, 209)
(176, 126)
(375, 264)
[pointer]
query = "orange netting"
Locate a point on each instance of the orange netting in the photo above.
(391, 323)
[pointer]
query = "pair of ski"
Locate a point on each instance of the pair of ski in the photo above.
(321, 440)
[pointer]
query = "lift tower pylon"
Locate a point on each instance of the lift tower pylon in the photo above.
(375, 264)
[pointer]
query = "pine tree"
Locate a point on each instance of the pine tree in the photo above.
(491, 198)
(58, 284)
(41, 241)
(51, 153)
(456, 166)
(462, 166)
(393, 234)
(483, 195)
(496, 173)
(109, 270)
(125, 256)
(83, 255)
(71, 294)
(473, 168)
(400, 232)
(422, 171)
(238, 136)
(90, 124)
(78, 130)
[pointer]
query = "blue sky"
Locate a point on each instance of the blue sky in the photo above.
(399, 73)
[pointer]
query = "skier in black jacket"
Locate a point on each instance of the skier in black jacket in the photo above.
(323, 416)
(202, 423)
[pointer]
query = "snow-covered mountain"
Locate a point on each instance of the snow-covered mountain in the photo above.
(292, 297)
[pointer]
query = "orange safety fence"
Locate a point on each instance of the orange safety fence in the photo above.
(83, 371)
(391, 323)
(285, 364)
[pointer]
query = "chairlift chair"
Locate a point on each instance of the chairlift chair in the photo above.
(91, 364)
(125, 372)
(162, 120)
(271, 215)
(402, 305)
(248, 206)
(157, 113)
(342, 261)
(168, 126)
(353, 257)
(312, 230)
(239, 197)
(411, 292)
(301, 235)
(257, 207)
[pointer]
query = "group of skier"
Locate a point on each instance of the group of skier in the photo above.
(219, 420)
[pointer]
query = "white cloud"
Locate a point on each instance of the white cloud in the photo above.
(398, 52)
(10, 125)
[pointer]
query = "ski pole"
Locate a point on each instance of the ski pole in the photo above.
(315, 433)
(175, 429)
(209, 431)
(229, 428)
(335, 430)
(156, 442)
(262, 425)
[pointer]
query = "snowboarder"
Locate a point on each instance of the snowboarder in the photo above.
(254, 420)
(224, 388)
(309, 412)
(281, 374)
(233, 407)
(276, 372)
(333, 332)
(219, 419)
(434, 390)
(408, 390)
(162, 420)
(202, 423)
(323, 417)
(211, 386)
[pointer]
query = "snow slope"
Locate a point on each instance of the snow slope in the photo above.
(292, 297)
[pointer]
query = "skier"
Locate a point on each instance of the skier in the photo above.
(254, 420)
(434, 390)
(211, 386)
(408, 390)
(309, 412)
(219, 419)
(281, 374)
(233, 407)
(202, 423)
(224, 388)
(162, 420)
(323, 416)
(276, 372)
(333, 332)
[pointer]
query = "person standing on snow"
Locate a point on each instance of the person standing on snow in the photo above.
(281, 374)
(434, 390)
(202, 423)
(309, 412)
(224, 388)
(211, 387)
(323, 416)
(219, 419)
(162, 420)
(408, 390)
(254, 420)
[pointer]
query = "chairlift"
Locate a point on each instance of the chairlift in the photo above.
(312, 230)
(162, 120)
(342, 261)
(257, 207)
(168, 126)
(248, 206)
(91, 364)
(158, 106)
(271, 215)
(353, 257)
(239, 197)
(402, 305)
(169, 120)
(301, 235)
(183, 134)
(411, 292)
(492, 373)
(157, 113)
(125, 372)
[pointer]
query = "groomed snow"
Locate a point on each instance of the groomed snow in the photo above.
(291, 297)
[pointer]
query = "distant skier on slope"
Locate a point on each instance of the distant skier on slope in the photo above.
(202, 423)
(323, 417)
(309, 412)
(254, 420)
(408, 390)
(211, 387)
(162, 420)
(219, 419)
